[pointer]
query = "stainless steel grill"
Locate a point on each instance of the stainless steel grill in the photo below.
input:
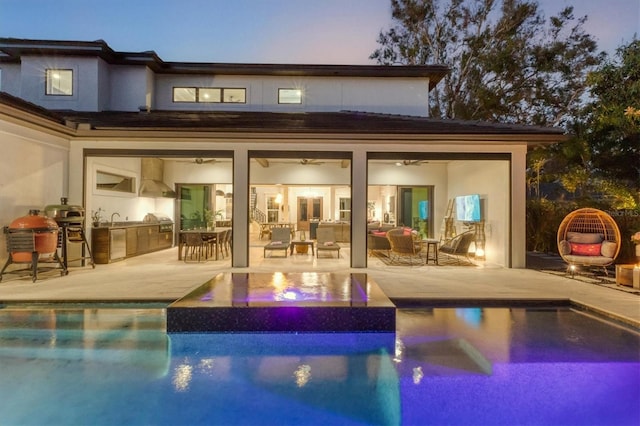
(165, 222)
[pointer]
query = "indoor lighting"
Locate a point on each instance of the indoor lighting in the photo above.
(279, 199)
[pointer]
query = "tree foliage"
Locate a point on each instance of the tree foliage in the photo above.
(508, 63)
(614, 125)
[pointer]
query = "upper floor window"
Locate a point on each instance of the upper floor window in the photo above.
(234, 95)
(209, 94)
(185, 94)
(59, 82)
(289, 96)
(206, 94)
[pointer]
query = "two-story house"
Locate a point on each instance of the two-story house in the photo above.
(255, 142)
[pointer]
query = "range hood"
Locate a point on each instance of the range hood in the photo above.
(152, 171)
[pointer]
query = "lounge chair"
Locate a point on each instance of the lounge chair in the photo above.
(403, 246)
(280, 240)
(326, 241)
(458, 247)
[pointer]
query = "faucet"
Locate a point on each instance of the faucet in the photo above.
(112, 215)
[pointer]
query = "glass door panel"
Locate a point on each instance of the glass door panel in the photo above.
(415, 209)
(308, 209)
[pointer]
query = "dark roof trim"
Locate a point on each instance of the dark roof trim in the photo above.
(348, 122)
(344, 122)
(11, 50)
(31, 108)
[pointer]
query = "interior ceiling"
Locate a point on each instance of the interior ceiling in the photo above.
(266, 162)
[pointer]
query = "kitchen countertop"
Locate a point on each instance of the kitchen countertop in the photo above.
(126, 224)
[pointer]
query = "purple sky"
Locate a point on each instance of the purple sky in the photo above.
(261, 31)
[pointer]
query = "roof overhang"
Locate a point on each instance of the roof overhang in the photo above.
(271, 127)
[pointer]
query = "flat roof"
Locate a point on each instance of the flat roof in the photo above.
(12, 49)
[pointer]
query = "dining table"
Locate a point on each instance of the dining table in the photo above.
(213, 233)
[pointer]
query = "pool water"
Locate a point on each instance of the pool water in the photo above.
(472, 366)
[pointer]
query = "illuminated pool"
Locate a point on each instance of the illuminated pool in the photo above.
(482, 366)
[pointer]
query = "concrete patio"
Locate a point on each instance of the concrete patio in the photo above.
(160, 277)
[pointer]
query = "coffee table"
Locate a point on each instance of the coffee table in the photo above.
(302, 243)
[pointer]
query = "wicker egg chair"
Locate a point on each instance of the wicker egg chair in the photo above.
(580, 234)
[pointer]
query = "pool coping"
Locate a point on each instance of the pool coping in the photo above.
(399, 302)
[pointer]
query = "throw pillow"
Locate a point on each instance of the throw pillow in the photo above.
(586, 249)
(608, 248)
(584, 238)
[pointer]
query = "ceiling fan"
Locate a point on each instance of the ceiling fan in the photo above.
(199, 160)
(310, 162)
(410, 162)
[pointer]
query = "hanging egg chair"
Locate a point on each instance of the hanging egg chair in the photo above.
(588, 237)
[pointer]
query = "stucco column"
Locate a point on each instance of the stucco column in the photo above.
(359, 209)
(240, 208)
(518, 208)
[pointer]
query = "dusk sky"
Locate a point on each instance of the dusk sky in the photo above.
(259, 31)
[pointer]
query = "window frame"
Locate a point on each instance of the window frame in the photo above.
(285, 89)
(244, 95)
(173, 94)
(272, 208)
(344, 214)
(219, 100)
(48, 80)
(213, 100)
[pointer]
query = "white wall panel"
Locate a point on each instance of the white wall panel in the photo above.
(34, 172)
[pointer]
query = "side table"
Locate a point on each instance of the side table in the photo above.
(305, 243)
(431, 244)
(628, 275)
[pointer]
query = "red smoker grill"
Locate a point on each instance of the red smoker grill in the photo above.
(32, 239)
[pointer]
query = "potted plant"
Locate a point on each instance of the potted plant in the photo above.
(96, 217)
(210, 218)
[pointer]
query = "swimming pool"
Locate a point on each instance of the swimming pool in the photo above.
(498, 366)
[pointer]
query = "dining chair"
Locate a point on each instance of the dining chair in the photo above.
(195, 247)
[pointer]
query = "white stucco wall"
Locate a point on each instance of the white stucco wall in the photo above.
(489, 179)
(86, 82)
(128, 87)
(104, 86)
(389, 95)
(10, 79)
(34, 172)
